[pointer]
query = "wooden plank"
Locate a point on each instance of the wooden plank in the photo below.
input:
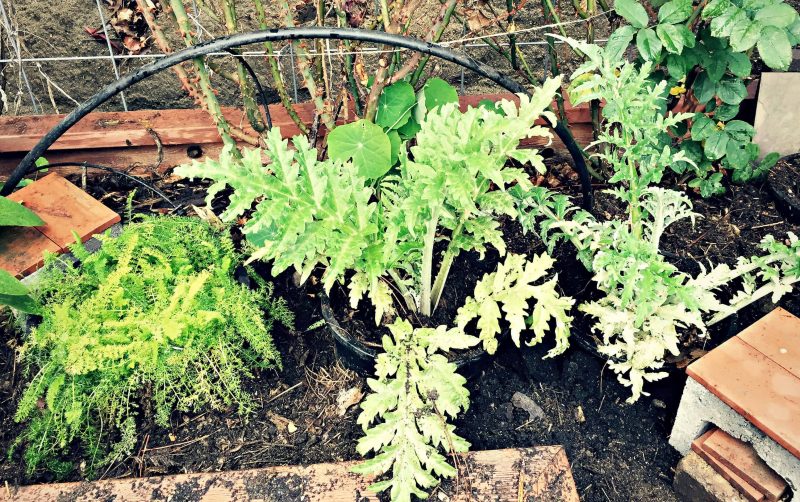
(541, 473)
(756, 387)
(777, 336)
(743, 460)
(65, 209)
(172, 127)
(22, 250)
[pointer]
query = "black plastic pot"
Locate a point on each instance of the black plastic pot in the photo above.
(788, 203)
(356, 356)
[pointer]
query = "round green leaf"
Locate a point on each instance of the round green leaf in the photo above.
(13, 214)
(632, 11)
(704, 89)
(716, 67)
(395, 105)
(675, 11)
(619, 41)
(731, 90)
(740, 130)
(702, 127)
(774, 48)
(739, 64)
(736, 154)
(438, 92)
(648, 44)
(780, 15)
(670, 37)
(744, 34)
(716, 145)
(396, 144)
(715, 7)
(366, 144)
(676, 66)
(410, 129)
(726, 112)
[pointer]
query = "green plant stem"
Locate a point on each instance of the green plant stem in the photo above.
(245, 86)
(437, 30)
(211, 101)
(408, 298)
(427, 262)
(349, 63)
(275, 70)
(512, 39)
(303, 63)
(759, 294)
(549, 17)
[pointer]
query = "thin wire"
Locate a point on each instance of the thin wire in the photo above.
(110, 51)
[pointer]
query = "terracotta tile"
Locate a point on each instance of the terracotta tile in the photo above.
(742, 459)
(749, 491)
(777, 336)
(762, 391)
(22, 249)
(64, 208)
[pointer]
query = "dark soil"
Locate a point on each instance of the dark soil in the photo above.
(784, 184)
(618, 451)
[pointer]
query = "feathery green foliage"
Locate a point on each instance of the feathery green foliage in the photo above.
(417, 389)
(151, 323)
(326, 213)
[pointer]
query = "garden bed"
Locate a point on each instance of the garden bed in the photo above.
(617, 450)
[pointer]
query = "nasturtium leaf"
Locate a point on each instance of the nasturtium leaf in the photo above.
(491, 106)
(675, 11)
(395, 105)
(670, 37)
(702, 127)
(632, 11)
(716, 144)
(619, 41)
(716, 67)
(739, 64)
(745, 34)
(736, 154)
(731, 90)
(740, 130)
(366, 144)
(676, 65)
(41, 162)
(779, 15)
(715, 7)
(704, 88)
(648, 44)
(396, 143)
(13, 214)
(437, 92)
(722, 25)
(726, 112)
(774, 48)
(410, 129)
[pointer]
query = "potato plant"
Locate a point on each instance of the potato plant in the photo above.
(703, 51)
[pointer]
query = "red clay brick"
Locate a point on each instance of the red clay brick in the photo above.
(761, 390)
(742, 459)
(749, 491)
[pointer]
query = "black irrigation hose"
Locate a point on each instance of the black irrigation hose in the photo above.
(278, 34)
(261, 92)
(90, 165)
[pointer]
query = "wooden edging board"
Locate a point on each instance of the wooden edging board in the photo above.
(523, 474)
(129, 140)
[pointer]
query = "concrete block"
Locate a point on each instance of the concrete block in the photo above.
(700, 409)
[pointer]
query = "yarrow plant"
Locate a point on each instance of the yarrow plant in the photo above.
(377, 229)
(647, 301)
